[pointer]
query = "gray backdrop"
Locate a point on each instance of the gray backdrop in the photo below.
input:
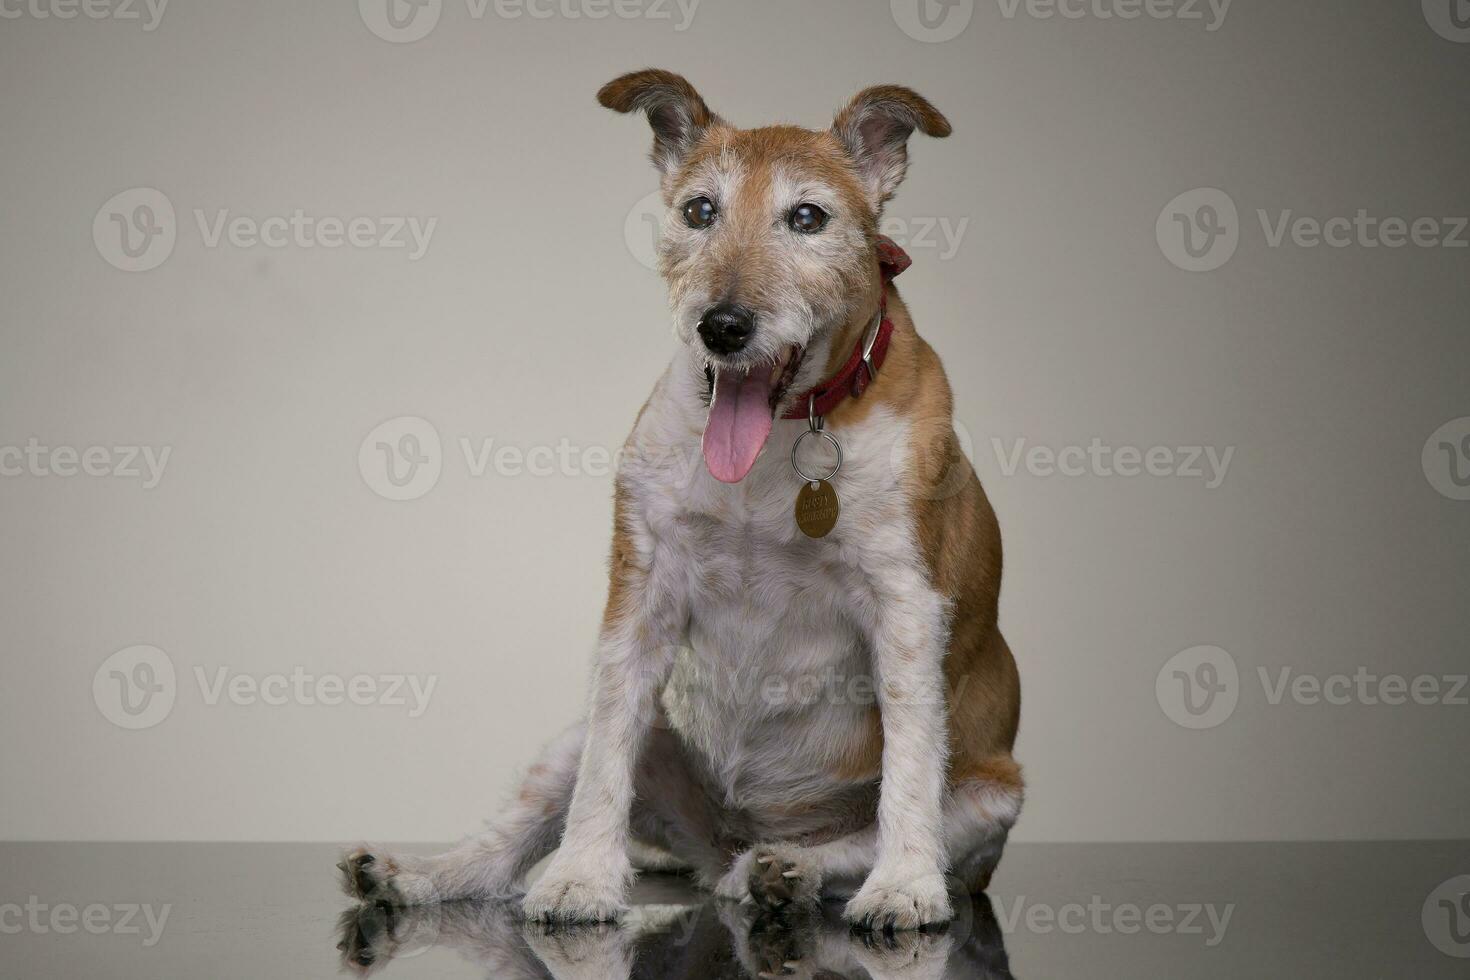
(207, 251)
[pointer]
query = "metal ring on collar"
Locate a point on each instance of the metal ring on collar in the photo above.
(797, 445)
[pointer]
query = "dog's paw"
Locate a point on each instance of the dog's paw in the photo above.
(378, 878)
(889, 902)
(594, 951)
(910, 954)
(782, 876)
(366, 942)
(372, 934)
(569, 897)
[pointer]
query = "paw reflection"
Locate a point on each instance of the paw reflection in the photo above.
(696, 938)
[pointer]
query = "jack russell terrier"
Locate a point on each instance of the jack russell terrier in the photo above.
(800, 688)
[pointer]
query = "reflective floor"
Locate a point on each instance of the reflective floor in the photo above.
(220, 911)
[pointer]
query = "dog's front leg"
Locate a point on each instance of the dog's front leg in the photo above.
(906, 888)
(588, 877)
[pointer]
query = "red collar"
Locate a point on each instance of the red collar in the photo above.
(872, 347)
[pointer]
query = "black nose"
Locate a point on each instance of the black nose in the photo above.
(726, 327)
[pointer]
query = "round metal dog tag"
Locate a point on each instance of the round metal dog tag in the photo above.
(816, 509)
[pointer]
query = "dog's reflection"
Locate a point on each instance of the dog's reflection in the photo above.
(710, 941)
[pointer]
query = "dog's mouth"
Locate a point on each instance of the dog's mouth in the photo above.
(742, 409)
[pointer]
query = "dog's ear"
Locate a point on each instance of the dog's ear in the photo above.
(675, 111)
(875, 127)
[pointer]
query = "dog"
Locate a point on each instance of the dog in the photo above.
(800, 688)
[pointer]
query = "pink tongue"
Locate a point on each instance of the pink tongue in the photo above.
(740, 419)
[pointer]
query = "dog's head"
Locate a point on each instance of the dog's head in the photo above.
(768, 244)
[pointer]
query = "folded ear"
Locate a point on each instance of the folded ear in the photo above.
(875, 127)
(675, 111)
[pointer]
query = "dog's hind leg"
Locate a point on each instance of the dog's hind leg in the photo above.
(674, 814)
(982, 809)
(488, 865)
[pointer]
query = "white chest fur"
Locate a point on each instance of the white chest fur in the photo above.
(773, 681)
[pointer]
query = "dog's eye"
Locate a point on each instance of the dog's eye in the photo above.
(808, 218)
(699, 213)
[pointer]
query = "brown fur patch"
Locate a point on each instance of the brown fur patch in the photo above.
(650, 88)
(862, 758)
(960, 538)
(626, 573)
(907, 107)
